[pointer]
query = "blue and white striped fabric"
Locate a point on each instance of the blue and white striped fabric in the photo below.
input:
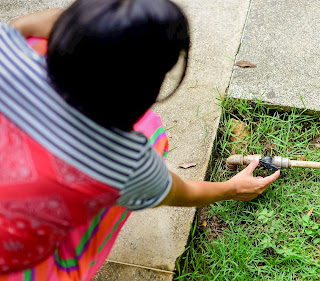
(124, 160)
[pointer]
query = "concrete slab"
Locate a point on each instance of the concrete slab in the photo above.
(11, 9)
(282, 39)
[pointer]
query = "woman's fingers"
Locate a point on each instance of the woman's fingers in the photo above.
(269, 179)
(266, 182)
(252, 166)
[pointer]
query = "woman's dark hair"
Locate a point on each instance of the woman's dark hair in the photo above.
(108, 58)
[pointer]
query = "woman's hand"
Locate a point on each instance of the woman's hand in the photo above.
(248, 187)
(243, 187)
(38, 24)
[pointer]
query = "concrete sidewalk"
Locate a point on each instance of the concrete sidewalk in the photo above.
(151, 241)
(282, 39)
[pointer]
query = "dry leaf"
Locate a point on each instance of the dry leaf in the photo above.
(239, 130)
(245, 64)
(246, 258)
(310, 212)
(233, 151)
(239, 134)
(187, 165)
(204, 224)
(301, 157)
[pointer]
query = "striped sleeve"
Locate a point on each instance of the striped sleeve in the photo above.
(148, 184)
(10, 34)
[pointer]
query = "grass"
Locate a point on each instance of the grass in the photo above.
(277, 235)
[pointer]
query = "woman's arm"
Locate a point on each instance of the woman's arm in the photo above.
(38, 24)
(242, 187)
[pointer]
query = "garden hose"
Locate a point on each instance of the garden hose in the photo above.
(268, 162)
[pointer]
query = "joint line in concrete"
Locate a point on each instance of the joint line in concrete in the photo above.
(240, 43)
(141, 266)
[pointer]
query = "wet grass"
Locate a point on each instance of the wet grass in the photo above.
(277, 235)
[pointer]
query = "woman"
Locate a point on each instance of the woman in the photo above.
(73, 166)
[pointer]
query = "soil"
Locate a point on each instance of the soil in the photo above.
(213, 226)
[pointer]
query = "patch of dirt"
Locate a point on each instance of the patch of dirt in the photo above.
(268, 147)
(210, 223)
(315, 141)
